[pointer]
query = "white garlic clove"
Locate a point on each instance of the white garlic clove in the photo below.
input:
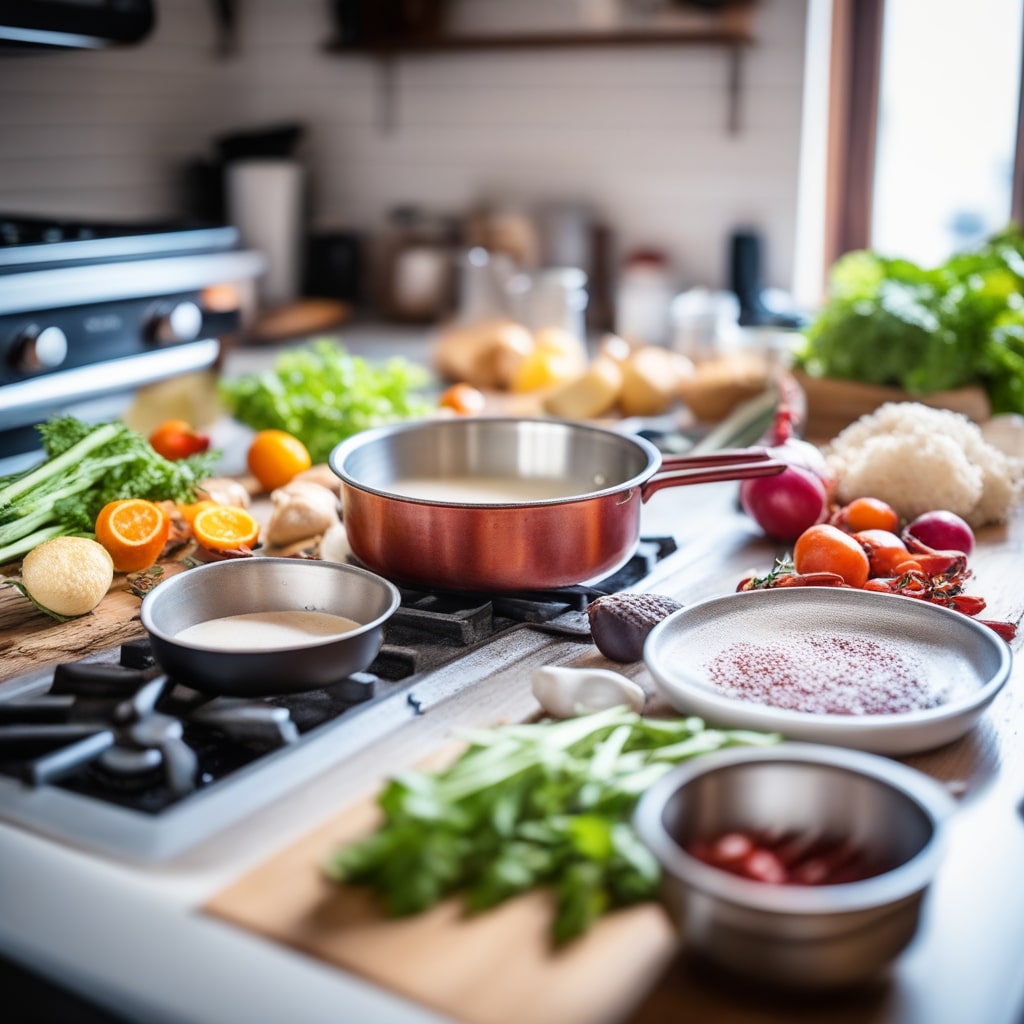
(565, 692)
(334, 545)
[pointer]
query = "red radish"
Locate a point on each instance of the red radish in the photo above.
(941, 531)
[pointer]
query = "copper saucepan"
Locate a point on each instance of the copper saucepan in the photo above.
(571, 514)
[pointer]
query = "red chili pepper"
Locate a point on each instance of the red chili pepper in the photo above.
(811, 579)
(1007, 630)
(942, 563)
(969, 604)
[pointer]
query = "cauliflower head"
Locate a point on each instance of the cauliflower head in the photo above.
(919, 459)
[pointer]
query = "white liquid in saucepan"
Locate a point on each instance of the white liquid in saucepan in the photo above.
(489, 490)
(260, 631)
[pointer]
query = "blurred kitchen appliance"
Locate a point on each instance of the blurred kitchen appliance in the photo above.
(571, 234)
(417, 264)
(91, 311)
(745, 279)
(74, 24)
(334, 266)
(265, 203)
(643, 298)
(705, 323)
(551, 297)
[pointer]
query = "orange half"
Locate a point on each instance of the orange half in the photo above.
(225, 527)
(134, 532)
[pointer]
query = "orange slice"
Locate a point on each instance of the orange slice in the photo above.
(225, 527)
(189, 510)
(134, 532)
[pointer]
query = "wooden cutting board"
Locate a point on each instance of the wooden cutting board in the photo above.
(30, 639)
(495, 968)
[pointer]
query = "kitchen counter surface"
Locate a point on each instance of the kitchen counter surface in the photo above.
(132, 937)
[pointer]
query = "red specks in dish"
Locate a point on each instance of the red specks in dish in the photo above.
(827, 674)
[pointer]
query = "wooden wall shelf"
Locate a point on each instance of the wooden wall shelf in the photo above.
(729, 27)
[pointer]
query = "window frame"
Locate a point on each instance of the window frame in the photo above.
(854, 90)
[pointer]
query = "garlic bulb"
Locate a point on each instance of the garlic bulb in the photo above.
(301, 510)
(565, 692)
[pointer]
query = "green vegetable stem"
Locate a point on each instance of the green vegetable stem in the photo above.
(546, 804)
(85, 466)
(321, 395)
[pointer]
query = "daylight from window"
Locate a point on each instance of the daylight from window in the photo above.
(947, 126)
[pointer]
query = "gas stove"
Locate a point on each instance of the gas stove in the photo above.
(109, 753)
(90, 311)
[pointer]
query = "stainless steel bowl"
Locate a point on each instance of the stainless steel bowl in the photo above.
(811, 936)
(244, 585)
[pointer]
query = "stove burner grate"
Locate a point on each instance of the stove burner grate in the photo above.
(111, 734)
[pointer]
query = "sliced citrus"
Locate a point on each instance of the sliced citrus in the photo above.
(134, 532)
(225, 527)
(189, 510)
(275, 457)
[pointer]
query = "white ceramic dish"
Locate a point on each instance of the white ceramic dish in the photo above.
(947, 652)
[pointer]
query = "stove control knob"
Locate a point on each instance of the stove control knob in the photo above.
(181, 322)
(41, 348)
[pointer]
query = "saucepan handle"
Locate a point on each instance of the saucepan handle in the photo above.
(712, 467)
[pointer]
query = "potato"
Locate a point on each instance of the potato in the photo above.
(651, 378)
(595, 393)
(566, 344)
(720, 385)
(486, 355)
(68, 575)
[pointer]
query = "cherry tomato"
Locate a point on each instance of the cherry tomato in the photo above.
(463, 399)
(870, 514)
(177, 439)
(879, 539)
(887, 554)
(826, 548)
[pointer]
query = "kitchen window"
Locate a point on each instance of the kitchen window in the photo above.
(913, 144)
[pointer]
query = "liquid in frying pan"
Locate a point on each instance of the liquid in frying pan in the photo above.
(265, 631)
(490, 490)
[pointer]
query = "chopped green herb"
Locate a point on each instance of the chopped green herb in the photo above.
(546, 804)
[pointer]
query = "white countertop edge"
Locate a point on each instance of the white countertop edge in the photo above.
(175, 966)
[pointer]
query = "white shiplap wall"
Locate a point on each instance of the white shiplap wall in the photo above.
(639, 133)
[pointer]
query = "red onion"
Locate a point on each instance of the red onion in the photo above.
(784, 505)
(941, 531)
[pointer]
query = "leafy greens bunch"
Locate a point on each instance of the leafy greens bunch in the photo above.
(890, 322)
(321, 395)
(545, 804)
(85, 466)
